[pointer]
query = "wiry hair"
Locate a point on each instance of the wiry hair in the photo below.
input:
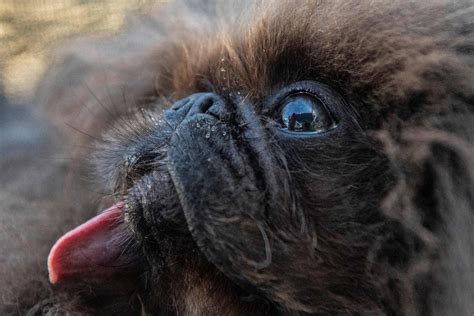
(405, 70)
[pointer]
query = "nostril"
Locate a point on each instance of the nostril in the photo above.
(196, 103)
(208, 103)
(218, 110)
(202, 102)
(180, 104)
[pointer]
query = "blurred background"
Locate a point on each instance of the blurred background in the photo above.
(29, 29)
(32, 150)
(30, 32)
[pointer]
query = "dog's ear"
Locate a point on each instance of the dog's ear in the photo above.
(433, 201)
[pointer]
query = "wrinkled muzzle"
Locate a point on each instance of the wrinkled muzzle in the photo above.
(217, 183)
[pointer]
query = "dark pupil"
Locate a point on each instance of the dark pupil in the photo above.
(304, 113)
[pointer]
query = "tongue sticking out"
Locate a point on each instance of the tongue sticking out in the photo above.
(91, 251)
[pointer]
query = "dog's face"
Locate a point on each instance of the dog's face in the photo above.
(264, 189)
(262, 175)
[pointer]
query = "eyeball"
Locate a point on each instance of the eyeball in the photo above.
(302, 112)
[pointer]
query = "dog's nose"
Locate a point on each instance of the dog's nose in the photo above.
(205, 103)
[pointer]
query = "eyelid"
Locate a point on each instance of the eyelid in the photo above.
(296, 93)
(313, 88)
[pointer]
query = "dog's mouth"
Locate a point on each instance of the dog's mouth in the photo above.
(147, 224)
(96, 249)
(186, 203)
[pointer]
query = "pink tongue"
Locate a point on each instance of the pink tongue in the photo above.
(92, 250)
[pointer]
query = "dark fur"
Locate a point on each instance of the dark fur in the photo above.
(384, 220)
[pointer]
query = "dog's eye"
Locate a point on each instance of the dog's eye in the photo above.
(302, 112)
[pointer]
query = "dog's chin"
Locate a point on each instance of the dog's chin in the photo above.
(193, 286)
